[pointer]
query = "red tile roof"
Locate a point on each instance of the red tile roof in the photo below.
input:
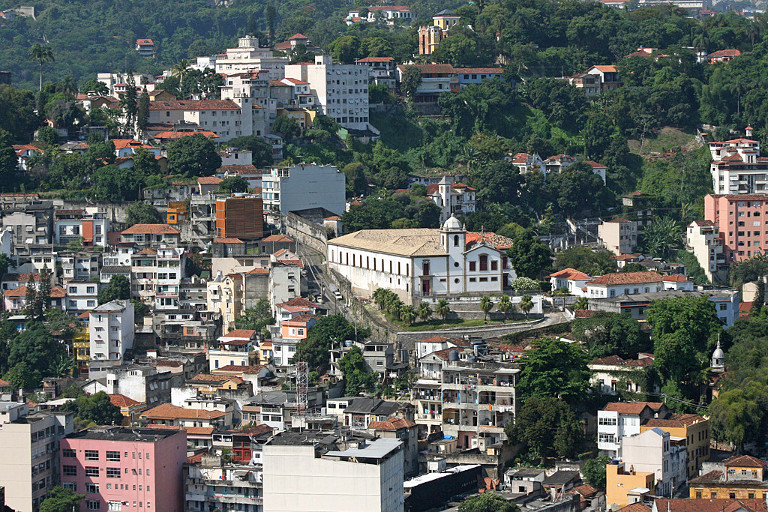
(708, 505)
(675, 421)
(209, 180)
(626, 407)
(240, 333)
(229, 240)
(375, 59)
(130, 143)
(278, 238)
(497, 241)
(144, 42)
(619, 361)
(177, 135)
(21, 291)
(570, 273)
(429, 68)
(480, 70)
(675, 278)
(147, 252)
(208, 377)
(627, 278)
(584, 313)
(151, 229)
(172, 412)
(57, 292)
(123, 401)
(233, 368)
(634, 507)
(194, 105)
(605, 69)
(4, 383)
(299, 302)
(391, 424)
(301, 320)
(730, 52)
(744, 461)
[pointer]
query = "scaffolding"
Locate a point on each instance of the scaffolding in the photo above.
(302, 385)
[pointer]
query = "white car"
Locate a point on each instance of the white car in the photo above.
(338, 296)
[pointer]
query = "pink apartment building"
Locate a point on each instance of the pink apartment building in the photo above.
(126, 469)
(743, 223)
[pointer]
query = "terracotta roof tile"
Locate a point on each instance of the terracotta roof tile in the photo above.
(571, 273)
(233, 368)
(626, 407)
(123, 401)
(240, 333)
(618, 278)
(170, 412)
(208, 377)
(151, 229)
(391, 424)
(708, 505)
(209, 180)
(744, 461)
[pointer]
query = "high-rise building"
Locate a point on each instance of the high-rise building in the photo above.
(111, 330)
(248, 56)
(304, 186)
(340, 90)
(29, 443)
(741, 222)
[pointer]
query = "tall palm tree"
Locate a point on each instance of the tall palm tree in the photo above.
(505, 305)
(181, 69)
(486, 305)
(424, 311)
(443, 308)
(526, 305)
(41, 54)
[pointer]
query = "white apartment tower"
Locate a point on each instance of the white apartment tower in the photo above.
(340, 90)
(702, 238)
(111, 330)
(304, 186)
(249, 57)
(737, 167)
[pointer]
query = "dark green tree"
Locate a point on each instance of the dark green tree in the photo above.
(593, 262)
(194, 155)
(555, 369)
(410, 82)
(142, 112)
(357, 377)
(97, 409)
(232, 184)
(594, 472)
(61, 500)
(547, 427)
(261, 150)
(286, 127)
(488, 502)
(329, 331)
(118, 288)
(529, 256)
(142, 213)
(8, 161)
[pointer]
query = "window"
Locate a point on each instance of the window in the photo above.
(92, 488)
(472, 266)
(494, 265)
(72, 486)
(113, 456)
(91, 471)
(68, 452)
(92, 505)
(69, 470)
(483, 262)
(113, 472)
(91, 455)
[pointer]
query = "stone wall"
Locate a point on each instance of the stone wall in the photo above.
(305, 232)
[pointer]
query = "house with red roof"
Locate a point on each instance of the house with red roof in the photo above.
(737, 166)
(381, 70)
(612, 371)
(436, 79)
(677, 282)
(723, 55)
(619, 419)
(571, 280)
(526, 163)
(129, 408)
(608, 76)
(624, 283)
(145, 48)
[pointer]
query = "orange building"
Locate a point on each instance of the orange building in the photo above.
(240, 217)
(177, 212)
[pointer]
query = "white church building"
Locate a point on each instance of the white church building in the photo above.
(418, 263)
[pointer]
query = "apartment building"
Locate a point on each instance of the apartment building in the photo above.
(81, 226)
(249, 56)
(742, 221)
(225, 297)
(340, 90)
(241, 217)
(436, 79)
(29, 442)
(81, 296)
(151, 235)
(620, 419)
(478, 400)
(111, 330)
(156, 276)
(212, 483)
(694, 429)
(653, 450)
(120, 468)
(79, 265)
(618, 235)
(381, 70)
(301, 474)
(236, 348)
(702, 238)
(304, 186)
(31, 223)
(737, 167)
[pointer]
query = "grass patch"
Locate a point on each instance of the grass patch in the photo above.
(668, 138)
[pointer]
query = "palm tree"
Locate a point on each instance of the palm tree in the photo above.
(486, 305)
(181, 69)
(424, 311)
(379, 297)
(526, 304)
(662, 238)
(407, 315)
(69, 88)
(443, 309)
(41, 54)
(505, 305)
(581, 303)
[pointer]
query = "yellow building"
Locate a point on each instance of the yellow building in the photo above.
(619, 484)
(741, 477)
(81, 346)
(445, 19)
(265, 352)
(303, 116)
(691, 427)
